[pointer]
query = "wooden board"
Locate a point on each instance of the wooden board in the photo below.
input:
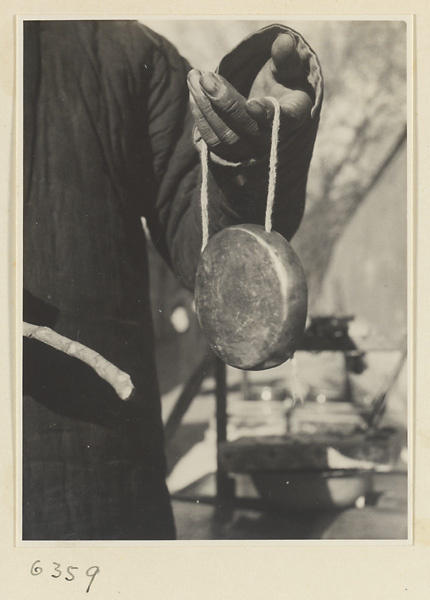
(275, 453)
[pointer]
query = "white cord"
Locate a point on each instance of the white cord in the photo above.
(273, 166)
(204, 195)
(273, 163)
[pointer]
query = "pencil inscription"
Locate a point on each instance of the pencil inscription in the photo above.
(69, 573)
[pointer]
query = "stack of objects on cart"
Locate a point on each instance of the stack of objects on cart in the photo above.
(309, 443)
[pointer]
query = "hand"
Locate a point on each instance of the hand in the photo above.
(235, 128)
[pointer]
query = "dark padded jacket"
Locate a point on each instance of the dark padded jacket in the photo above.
(108, 140)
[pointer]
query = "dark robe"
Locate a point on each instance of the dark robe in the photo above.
(108, 140)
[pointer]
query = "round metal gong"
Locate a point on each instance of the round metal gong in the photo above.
(251, 297)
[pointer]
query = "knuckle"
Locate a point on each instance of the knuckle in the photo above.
(208, 135)
(228, 137)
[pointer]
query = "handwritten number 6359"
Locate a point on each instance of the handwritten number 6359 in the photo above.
(91, 572)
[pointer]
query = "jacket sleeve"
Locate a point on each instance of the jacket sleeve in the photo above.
(237, 192)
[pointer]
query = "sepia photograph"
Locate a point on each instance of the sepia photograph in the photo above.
(216, 287)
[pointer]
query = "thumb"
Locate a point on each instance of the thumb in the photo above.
(286, 64)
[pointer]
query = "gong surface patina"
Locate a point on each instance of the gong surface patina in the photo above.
(251, 297)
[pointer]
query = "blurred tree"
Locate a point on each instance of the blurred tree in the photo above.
(363, 123)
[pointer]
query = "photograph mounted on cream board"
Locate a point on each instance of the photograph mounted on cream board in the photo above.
(140, 426)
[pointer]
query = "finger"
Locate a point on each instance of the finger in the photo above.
(232, 152)
(295, 109)
(206, 131)
(229, 105)
(286, 63)
(206, 112)
(236, 148)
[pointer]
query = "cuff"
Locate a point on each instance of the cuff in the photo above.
(244, 62)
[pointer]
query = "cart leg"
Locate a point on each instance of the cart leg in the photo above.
(224, 484)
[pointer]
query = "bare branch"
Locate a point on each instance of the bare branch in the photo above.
(120, 381)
